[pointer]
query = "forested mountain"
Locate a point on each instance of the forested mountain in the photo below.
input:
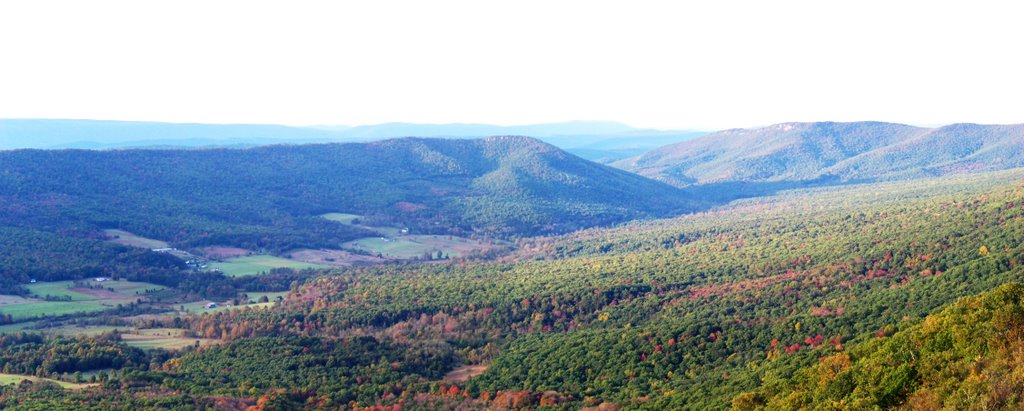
(818, 153)
(270, 197)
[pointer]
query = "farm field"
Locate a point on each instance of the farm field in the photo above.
(38, 308)
(79, 299)
(413, 246)
(76, 330)
(125, 238)
(224, 252)
(199, 307)
(149, 338)
(338, 258)
(352, 220)
(344, 218)
(256, 264)
(7, 379)
(162, 338)
(255, 296)
(16, 327)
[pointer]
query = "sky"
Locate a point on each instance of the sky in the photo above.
(654, 64)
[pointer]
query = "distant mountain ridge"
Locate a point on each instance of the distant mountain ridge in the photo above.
(498, 185)
(829, 151)
(595, 140)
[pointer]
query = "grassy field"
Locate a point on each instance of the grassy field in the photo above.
(82, 300)
(148, 339)
(132, 287)
(7, 379)
(11, 328)
(126, 238)
(270, 296)
(86, 331)
(57, 289)
(163, 338)
(348, 219)
(256, 264)
(199, 307)
(51, 308)
(412, 246)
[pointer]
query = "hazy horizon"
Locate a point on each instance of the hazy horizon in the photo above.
(659, 65)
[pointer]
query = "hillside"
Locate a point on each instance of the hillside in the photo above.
(824, 153)
(271, 197)
(965, 357)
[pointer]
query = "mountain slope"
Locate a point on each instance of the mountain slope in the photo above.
(508, 185)
(965, 357)
(802, 152)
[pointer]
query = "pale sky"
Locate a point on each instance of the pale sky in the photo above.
(659, 64)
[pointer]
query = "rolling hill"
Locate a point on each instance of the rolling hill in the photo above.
(827, 152)
(270, 197)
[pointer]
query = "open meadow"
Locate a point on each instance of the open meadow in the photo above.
(125, 238)
(69, 297)
(256, 264)
(8, 379)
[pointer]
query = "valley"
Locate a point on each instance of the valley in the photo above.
(508, 275)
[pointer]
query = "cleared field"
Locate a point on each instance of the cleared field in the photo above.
(125, 238)
(132, 287)
(199, 307)
(336, 258)
(86, 331)
(164, 338)
(121, 289)
(58, 289)
(51, 308)
(224, 252)
(81, 299)
(7, 379)
(351, 219)
(464, 373)
(11, 328)
(256, 264)
(343, 218)
(412, 246)
(270, 296)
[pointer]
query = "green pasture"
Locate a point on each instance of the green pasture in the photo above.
(256, 264)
